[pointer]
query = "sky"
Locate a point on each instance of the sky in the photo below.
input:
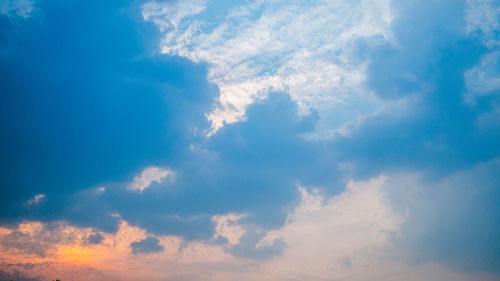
(250, 140)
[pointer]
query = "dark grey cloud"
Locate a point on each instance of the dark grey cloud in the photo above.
(86, 102)
(39, 242)
(95, 238)
(17, 276)
(247, 167)
(148, 245)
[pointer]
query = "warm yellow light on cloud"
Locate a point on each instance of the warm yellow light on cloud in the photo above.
(76, 255)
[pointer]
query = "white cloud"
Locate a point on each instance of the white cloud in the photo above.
(21, 8)
(484, 78)
(148, 176)
(348, 237)
(301, 48)
(226, 226)
(338, 237)
(35, 200)
(483, 15)
(169, 15)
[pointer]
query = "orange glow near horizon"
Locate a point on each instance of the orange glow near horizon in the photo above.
(65, 250)
(66, 254)
(77, 255)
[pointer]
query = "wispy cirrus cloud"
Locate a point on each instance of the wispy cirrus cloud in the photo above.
(303, 49)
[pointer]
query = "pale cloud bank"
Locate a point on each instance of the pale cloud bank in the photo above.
(346, 237)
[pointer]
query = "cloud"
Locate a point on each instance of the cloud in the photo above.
(102, 113)
(95, 238)
(36, 239)
(226, 227)
(36, 199)
(16, 275)
(248, 246)
(345, 237)
(88, 104)
(482, 79)
(148, 245)
(255, 48)
(483, 15)
(19, 8)
(321, 234)
(433, 129)
(453, 221)
(148, 176)
(246, 168)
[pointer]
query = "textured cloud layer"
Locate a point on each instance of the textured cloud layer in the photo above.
(304, 49)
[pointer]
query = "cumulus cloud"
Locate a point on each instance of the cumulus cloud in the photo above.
(128, 110)
(240, 170)
(435, 129)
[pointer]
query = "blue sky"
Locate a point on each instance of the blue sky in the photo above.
(331, 140)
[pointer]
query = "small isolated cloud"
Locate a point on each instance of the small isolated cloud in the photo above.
(35, 200)
(148, 176)
(149, 245)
